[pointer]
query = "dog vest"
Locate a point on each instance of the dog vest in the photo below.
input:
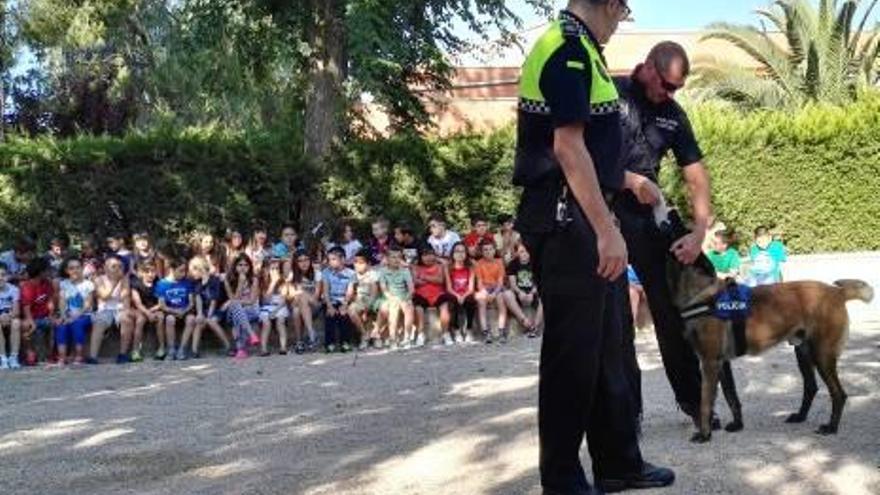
(733, 305)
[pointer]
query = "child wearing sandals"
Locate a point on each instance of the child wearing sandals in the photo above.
(10, 319)
(461, 285)
(146, 309)
(307, 298)
(490, 289)
(209, 297)
(274, 311)
(429, 279)
(242, 307)
(176, 301)
(523, 292)
(397, 286)
(75, 304)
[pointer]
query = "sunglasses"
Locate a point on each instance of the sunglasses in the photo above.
(668, 86)
(627, 11)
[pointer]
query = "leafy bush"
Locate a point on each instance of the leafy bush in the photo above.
(170, 183)
(814, 174)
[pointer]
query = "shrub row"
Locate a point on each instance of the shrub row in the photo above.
(814, 174)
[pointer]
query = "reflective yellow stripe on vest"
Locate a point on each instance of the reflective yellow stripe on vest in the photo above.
(603, 93)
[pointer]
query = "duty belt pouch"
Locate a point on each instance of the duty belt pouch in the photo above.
(563, 216)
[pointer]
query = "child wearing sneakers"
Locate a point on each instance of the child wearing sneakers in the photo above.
(523, 292)
(146, 310)
(306, 302)
(176, 301)
(9, 321)
(75, 303)
(273, 311)
(429, 280)
(398, 288)
(209, 297)
(366, 300)
(462, 286)
(113, 294)
(490, 273)
(242, 305)
(38, 307)
(338, 293)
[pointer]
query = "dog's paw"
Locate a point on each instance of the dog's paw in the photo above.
(796, 418)
(827, 430)
(701, 437)
(734, 426)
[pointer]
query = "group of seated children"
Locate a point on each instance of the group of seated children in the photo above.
(765, 259)
(59, 307)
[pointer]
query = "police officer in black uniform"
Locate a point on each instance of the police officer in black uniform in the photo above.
(567, 160)
(653, 124)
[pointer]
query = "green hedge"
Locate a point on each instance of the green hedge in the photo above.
(171, 183)
(815, 175)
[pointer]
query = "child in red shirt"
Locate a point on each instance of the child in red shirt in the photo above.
(429, 279)
(461, 285)
(479, 233)
(38, 311)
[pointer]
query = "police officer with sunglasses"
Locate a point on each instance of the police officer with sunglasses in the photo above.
(653, 124)
(568, 164)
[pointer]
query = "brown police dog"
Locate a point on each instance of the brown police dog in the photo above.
(811, 315)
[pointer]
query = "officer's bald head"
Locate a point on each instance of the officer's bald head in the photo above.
(667, 54)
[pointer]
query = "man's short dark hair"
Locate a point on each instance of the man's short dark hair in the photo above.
(762, 230)
(337, 251)
(665, 53)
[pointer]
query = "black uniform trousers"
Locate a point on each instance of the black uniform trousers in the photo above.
(584, 389)
(648, 251)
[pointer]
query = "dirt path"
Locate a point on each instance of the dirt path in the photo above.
(435, 421)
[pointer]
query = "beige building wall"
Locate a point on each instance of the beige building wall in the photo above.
(484, 97)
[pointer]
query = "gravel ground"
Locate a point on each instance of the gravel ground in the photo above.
(456, 420)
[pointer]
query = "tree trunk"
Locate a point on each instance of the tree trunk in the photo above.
(325, 101)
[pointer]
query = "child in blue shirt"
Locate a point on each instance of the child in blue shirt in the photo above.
(767, 257)
(338, 293)
(176, 301)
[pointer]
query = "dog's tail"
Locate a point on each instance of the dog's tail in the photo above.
(856, 289)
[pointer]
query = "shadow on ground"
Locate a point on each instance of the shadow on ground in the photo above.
(451, 421)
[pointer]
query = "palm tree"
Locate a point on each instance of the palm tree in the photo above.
(815, 57)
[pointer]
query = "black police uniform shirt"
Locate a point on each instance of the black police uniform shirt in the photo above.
(650, 130)
(567, 92)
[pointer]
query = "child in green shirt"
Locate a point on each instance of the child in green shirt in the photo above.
(724, 258)
(397, 286)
